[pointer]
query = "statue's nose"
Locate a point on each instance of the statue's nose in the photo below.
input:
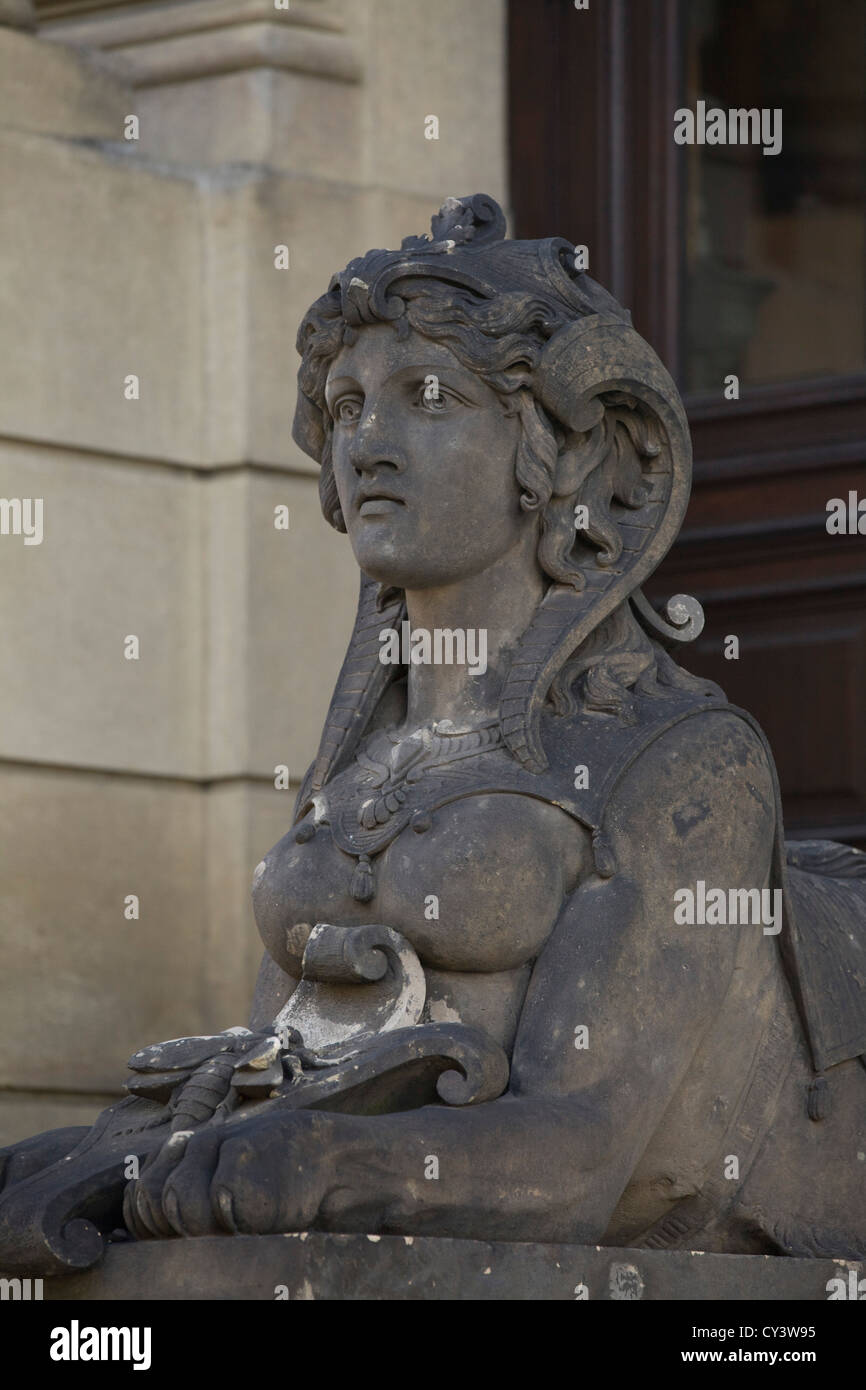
(371, 448)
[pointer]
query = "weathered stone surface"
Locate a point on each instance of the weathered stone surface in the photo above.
(91, 296)
(163, 247)
(116, 560)
(298, 655)
(194, 952)
(255, 569)
(90, 984)
(258, 115)
(699, 1114)
(314, 1265)
(170, 43)
(17, 14)
(414, 56)
(280, 211)
(241, 820)
(338, 94)
(49, 90)
(23, 1113)
(122, 554)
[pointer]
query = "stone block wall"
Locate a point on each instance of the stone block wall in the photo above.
(154, 258)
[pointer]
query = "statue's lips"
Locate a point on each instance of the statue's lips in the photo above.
(379, 506)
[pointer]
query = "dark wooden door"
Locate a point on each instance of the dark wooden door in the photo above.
(733, 262)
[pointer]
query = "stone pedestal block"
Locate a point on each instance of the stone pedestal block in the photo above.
(315, 1265)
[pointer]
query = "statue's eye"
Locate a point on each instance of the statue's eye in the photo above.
(433, 397)
(347, 411)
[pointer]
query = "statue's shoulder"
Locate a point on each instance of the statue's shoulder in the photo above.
(590, 753)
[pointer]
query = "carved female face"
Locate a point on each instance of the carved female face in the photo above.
(423, 455)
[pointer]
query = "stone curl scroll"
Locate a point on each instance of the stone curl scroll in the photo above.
(684, 614)
(355, 980)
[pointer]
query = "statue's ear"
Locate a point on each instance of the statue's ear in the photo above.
(628, 457)
(362, 680)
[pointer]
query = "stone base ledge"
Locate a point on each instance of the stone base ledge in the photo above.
(316, 1265)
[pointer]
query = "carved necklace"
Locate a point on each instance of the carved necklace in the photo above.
(392, 767)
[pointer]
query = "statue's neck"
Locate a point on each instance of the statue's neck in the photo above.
(490, 611)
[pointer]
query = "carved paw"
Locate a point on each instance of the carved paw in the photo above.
(255, 1177)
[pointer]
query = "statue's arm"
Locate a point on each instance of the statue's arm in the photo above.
(550, 1159)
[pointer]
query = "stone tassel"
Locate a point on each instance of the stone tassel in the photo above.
(818, 1099)
(363, 885)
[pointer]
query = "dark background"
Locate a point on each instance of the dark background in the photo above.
(733, 262)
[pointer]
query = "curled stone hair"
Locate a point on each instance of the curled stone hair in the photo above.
(501, 344)
(602, 427)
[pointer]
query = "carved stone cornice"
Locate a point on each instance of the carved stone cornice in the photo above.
(183, 41)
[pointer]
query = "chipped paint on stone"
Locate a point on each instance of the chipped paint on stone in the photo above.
(324, 1013)
(439, 1011)
(625, 1283)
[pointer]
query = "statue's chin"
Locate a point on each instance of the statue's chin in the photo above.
(397, 568)
(380, 554)
(385, 571)
(412, 564)
(402, 576)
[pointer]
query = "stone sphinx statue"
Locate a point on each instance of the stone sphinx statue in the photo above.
(539, 965)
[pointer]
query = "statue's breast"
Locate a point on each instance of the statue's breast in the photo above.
(445, 837)
(474, 885)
